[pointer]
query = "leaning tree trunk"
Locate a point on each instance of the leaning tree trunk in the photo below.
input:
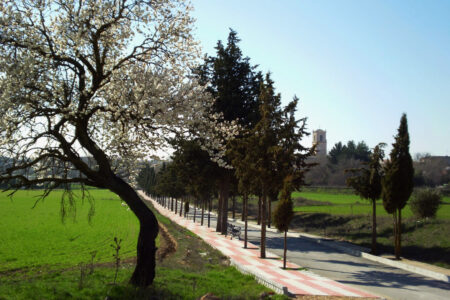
(144, 272)
(374, 227)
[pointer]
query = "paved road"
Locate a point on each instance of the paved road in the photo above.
(373, 277)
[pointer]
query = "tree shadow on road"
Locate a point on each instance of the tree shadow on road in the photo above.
(394, 280)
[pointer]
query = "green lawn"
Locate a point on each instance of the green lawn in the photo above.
(43, 258)
(33, 237)
(347, 204)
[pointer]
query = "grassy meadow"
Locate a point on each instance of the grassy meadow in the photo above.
(340, 214)
(37, 237)
(42, 257)
(337, 203)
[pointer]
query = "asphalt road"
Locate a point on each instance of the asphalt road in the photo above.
(373, 277)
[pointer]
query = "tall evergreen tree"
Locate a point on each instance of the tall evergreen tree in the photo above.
(272, 150)
(368, 185)
(283, 214)
(398, 180)
(234, 84)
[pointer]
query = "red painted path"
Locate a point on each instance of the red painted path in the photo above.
(297, 281)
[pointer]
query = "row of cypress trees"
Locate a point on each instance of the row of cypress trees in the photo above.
(393, 182)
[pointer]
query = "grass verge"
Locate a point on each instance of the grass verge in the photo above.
(40, 271)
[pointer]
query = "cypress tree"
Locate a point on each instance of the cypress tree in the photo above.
(283, 214)
(234, 84)
(398, 181)
(368, 185)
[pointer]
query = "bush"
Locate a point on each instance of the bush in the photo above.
(425, 203)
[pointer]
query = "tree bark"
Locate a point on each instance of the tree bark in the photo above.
(219, 213)
(374, 227)
(203, 210)
(223, 197)
(398, 249)
(195, 209)
(259, 210)
(285, 249)
(144, 272)
(263, 225)
(234, 206)
(395, 232)
(269, 215)
(209, 212)
(245, 203)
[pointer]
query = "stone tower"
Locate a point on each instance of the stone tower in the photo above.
(320, 139)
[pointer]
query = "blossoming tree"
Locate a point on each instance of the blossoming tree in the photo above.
(108, 80)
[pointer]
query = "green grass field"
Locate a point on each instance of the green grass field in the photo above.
(346, 216)
(36, 237)
(43, 258)
(348, 204)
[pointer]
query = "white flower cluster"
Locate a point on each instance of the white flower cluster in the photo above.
(77, 77)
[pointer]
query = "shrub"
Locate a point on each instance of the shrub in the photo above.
(425, 203)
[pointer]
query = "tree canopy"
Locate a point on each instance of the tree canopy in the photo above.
(351, 150)
(398, 181)
(109, 80)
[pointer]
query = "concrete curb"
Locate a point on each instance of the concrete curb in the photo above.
(353, 250)
(363, 252)
(276, 287)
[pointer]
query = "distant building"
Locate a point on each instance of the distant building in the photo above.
(320, 140)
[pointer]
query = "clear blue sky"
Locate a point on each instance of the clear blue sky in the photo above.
(355, 65)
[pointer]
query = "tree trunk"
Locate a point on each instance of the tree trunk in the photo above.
(234, 206)
(245, 203)
(394, 215)
(181, 207)
(269, 215)
(223, 197)
(259, 210)
(263, 224)
(144, 272)
(285, 249)
(176, 205)
(219, 214)
(398, 248)
(209, 212)
(195, 208)
(203, 211)
(242, 216)
(374, 227)
(225, 211)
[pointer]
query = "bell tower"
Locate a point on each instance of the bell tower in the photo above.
(320, 139)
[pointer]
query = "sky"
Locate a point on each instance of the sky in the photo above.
(356, 66)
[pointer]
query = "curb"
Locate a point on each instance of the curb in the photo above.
(276, 287)
(352, 250)
(362, 252)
